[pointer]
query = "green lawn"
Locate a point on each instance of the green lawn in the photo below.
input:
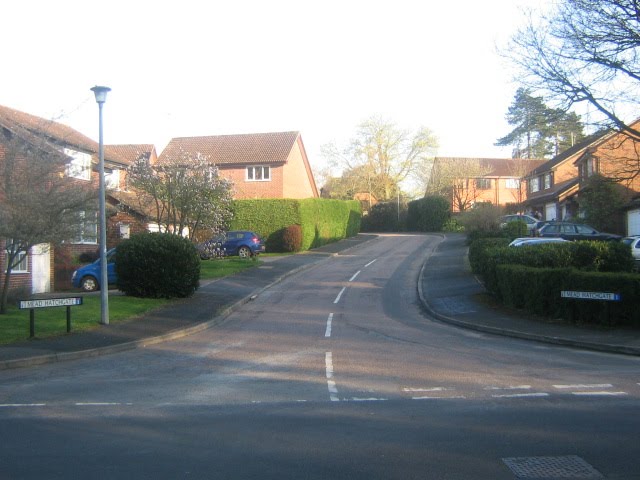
(14, 325)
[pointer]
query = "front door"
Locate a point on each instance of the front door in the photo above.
(40, 269)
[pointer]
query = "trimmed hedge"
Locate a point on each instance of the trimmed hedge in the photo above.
(428, 214)
(322, 221)
(538, 290)
(158, 265)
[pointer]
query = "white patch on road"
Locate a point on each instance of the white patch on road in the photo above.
(339, 295)
(581, 385)
(327, 332)
(355, 275)
(371, 262)
(331, 384)
(9, 405)
(434, 389)
(521, 395)
(600, 394)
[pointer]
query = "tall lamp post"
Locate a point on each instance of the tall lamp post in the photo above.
(101, 97)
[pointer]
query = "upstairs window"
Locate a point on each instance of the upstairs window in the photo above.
(547, 181)
(483, 183)
(513, 183)
(534, 184)
(80, 164)
(259, 173)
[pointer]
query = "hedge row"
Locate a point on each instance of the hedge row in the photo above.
(538, 290)
(532, 277)
(322, 221)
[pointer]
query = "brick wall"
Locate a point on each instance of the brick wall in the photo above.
(250, 189)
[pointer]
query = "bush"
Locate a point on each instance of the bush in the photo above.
(383, 217)
(158, 265)
(428, 214)
(482, 218)
(515, 229)
(292, 238)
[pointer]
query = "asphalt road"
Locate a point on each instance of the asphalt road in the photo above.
(333, 373)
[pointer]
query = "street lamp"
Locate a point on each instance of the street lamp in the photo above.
(101, 97)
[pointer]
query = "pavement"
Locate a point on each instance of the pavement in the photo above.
(448, 292)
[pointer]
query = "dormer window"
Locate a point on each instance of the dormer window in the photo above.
(80, 165)
(547, 181)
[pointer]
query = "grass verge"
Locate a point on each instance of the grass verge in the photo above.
(14, 325)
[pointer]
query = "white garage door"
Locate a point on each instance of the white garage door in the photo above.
(550, 212)
(633, 222)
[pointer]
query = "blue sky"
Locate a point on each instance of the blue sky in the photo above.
(210, 67)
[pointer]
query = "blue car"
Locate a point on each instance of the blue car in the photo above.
(242, 243)
(88, 277)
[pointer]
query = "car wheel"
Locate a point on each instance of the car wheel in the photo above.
(89, 284)
(244, 252)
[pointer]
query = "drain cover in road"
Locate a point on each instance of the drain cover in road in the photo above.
(569, 466)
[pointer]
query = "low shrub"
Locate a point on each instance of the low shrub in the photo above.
(158, 265)
(292, 238)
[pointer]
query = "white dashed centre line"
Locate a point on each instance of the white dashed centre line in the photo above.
(355, 275)
(327, 332)
(370, 263)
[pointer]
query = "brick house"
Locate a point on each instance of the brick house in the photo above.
(553, 189)
(494, 180)
(261, 165)
(44, 267)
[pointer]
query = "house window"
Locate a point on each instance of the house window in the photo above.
(125, 231)
(259, 173)
(590, 166)
(87, 228)
(22, 265)
(547, 181)
(80, 164)
(534, 184)
(513, 183)
(483, 183)
(112, 179)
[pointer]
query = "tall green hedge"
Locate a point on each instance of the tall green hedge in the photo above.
(428, 214)
(322, 221)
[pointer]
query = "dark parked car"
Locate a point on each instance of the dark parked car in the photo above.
(575, 231)
(238, 242)
(88, 277)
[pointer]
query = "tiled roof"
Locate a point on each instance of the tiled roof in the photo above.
(234, 149)
(499, 167)
(569, 153)
(54, 132)
(130, 153)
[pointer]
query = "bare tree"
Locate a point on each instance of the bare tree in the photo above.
(184, 194)
(389, 154)
(41, 204)
(457, 178)
(584, 51)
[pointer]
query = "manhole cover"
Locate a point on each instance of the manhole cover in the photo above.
(569, 466)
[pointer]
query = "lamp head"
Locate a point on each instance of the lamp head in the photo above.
(100, 93)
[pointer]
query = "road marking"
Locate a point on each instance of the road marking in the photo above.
(327, 332)
(373, 399)
(331, 384)
(9, 405)
(511, 387)
(599, 394)
(577, 386)
(370, 263)
(339, 295)
(521, 395)
(437, 398)
(434, 389)
(100, 404)
(355, 275)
